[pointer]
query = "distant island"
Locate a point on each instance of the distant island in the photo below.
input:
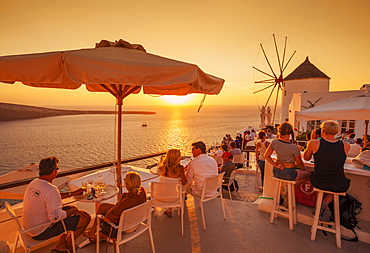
(18, 112)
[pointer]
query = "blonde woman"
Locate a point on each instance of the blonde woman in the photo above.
(171, 170)
(171, 167)
(136, 195)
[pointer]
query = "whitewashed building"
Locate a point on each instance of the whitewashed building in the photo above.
(306, 87)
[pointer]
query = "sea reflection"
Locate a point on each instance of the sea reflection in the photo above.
(85, 140)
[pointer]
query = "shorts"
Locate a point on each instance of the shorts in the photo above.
(286, 174)
(57, 228)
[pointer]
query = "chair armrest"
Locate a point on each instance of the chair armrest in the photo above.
(40, 225)
(100, 216)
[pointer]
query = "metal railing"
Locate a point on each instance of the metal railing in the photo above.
(83, 169)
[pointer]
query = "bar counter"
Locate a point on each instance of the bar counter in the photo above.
(359, 188)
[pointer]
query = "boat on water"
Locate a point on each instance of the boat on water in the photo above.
(144, 124)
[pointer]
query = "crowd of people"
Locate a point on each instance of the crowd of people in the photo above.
(43, 201)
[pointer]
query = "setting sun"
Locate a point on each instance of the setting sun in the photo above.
(176, 100)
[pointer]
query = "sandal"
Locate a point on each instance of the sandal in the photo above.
(86, 234)
(168, 214)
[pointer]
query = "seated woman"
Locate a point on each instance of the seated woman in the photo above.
(330, 156)
(289, 164)
(172, 171)
(135, 196)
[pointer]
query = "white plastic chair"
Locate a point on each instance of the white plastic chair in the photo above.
(168, 195)
(219, 161)
(28, 243)
(230, 182)
(213, 183)
(241, 159)
(133, 218)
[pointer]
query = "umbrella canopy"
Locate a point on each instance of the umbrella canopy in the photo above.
(119, 68)
(352, 108)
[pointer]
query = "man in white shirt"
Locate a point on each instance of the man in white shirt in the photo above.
(42, 204)
(198, 169)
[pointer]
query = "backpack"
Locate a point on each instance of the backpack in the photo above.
(232, 186)
(349, 208)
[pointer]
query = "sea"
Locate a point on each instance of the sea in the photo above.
(86, 140)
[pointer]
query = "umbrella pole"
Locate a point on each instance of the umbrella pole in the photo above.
(119, 146)
(365, 137)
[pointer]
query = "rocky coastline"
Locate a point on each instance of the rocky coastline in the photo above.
(18, 112)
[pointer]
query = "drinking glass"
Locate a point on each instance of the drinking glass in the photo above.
(84, 186)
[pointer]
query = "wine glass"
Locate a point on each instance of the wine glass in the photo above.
(84, 186)
(102, 186)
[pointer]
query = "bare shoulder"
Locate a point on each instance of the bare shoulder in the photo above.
(314, 143)
(346, 145)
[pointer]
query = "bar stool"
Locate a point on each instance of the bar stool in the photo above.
(291, 212)
(335, 224)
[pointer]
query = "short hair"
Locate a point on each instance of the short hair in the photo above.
(48, 165)
(232, 144)
(133, 182)
(358, 141)
(225, 147)
(352, 135)
(261, 134)
(285, 129)
(330, 126)
(200, 145)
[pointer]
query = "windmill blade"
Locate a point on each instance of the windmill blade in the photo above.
(282, 63)
(289, 60)
(276, 100)
(268, 62)
(266, 81)
(277, 53)
(264, 72)
(265, 88)
(270, 95)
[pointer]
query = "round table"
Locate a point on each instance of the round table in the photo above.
(109, 192)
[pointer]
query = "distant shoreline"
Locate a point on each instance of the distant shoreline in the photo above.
(10, 112)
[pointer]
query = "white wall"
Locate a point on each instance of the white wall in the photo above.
(300, 99)
(294, 86)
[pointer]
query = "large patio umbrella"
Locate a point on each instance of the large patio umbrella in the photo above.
(352, 108)
(119, 68)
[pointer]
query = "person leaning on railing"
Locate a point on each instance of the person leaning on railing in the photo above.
(289, 164)
(330, 156)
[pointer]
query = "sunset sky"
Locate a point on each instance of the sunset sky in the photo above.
(221, 37)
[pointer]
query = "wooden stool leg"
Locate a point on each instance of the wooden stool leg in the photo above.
(290, 206)
(294, 206)
(275, 201)
(317, 214)
(337, 221)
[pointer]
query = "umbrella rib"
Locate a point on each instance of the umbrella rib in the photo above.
(109, 90)
(131, 91)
